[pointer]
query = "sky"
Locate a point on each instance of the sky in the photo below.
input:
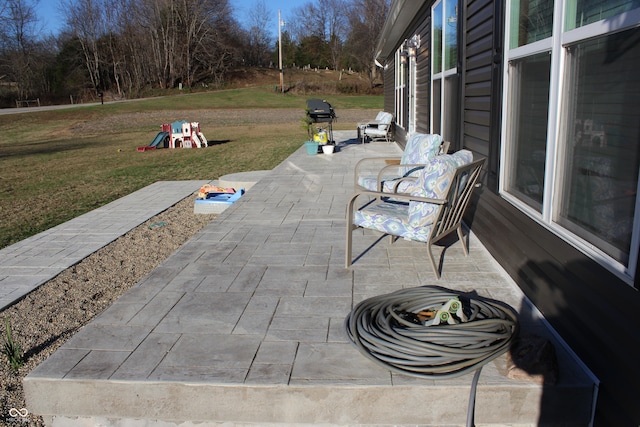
(53, 22)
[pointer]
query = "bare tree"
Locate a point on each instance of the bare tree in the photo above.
(324, 22)
(87, 20)
(366, 19)
(258, 36)
(158, 17)
(337, 24)
(18, 45)
(129, 58)
(305, 21)
(200, 18)
(128, 45)
(181, 38)
(115, 17)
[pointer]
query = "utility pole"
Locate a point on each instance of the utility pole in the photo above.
(280, 52)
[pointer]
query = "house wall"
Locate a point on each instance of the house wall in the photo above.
(389, 86)
(590, 308)
(423, 73)
(579, 297)
(594, 311)
(480, 81)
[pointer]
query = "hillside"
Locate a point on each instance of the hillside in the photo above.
(306, 81)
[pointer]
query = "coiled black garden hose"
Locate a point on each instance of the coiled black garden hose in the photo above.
(395, 331)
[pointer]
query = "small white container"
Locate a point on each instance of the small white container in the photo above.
(328, 149)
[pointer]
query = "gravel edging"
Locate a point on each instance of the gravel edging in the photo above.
(46, 318)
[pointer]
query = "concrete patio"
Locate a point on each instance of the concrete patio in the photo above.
(26, 265)
(243, 325)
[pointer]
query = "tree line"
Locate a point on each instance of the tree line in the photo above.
(131, 47)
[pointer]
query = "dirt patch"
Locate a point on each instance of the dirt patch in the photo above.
(49, 316)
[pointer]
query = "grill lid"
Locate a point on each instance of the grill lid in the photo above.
(320, 110)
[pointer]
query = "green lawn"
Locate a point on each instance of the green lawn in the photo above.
(56, 165)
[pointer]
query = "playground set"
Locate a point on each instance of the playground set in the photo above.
(180, 134)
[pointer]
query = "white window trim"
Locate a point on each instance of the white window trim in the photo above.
(529, 49)
(434, 76)
(400, 89)
(413, 71)
(441, 75)
(556, 45)
(412, 63)
(624, 21)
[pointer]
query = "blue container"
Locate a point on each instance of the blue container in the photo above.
(312, 147)
(216, 202)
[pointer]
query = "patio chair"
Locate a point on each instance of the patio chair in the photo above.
(375, 121)
(398, 172)
(381, 130)
(364, 124)
(432, 210)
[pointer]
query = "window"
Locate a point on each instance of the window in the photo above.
(401, 88)
(597, 196)
(530, 100)
(581, 12)
(532, 20)
(406, 64)
(444, 77)
(571, 123)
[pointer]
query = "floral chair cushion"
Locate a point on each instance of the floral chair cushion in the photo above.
(420, 149)
(414, 220)
(433, 183)
(390, 217)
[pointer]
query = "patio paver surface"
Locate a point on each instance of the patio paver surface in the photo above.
(243, 325)
(28, 264)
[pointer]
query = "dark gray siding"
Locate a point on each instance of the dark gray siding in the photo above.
(593, 310)
(580, 298)
(389, 86)
(423, 74)
(477, 42)
(590, 308)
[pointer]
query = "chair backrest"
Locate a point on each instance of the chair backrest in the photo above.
(380, 115)
(385, 121)
(462, 187)
(450, 177)
(420, 149)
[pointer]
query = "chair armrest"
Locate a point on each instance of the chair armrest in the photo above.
(401, 180)
(385, 171)
(369, 123)
(361, 162)
(397, 196)
(411, 166)
(444, 148)
(378, 159)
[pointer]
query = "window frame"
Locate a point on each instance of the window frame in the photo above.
(443, 73)
(557, 45)
(400, 87)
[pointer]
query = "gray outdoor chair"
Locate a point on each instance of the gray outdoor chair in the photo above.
(394, 174)
(380, 130)
(432, 209)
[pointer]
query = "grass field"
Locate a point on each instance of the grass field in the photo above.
(56, 165)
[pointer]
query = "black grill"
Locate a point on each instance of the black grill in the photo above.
(320, 111)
